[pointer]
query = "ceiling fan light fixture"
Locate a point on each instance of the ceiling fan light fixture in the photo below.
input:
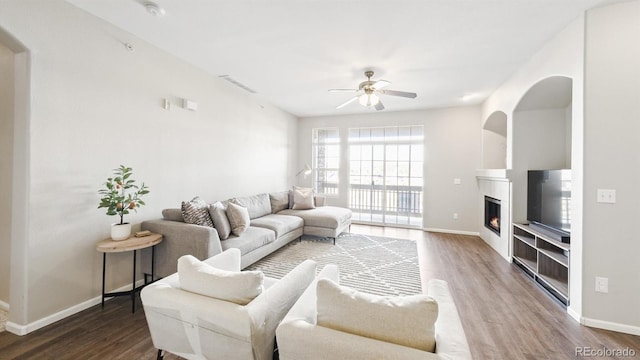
(368, 99)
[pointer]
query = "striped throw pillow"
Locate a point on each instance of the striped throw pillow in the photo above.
(196, 212)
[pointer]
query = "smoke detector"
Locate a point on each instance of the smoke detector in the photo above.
(154, 9)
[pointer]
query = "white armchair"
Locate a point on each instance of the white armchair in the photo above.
(300, 337)
(196, 326)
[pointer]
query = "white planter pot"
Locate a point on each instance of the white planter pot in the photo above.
(120, 231)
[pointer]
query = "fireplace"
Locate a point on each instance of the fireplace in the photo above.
(492, 214)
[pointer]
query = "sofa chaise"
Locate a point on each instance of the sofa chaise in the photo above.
(275, 220)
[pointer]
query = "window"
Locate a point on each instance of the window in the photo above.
(326, 160)
(386, 174)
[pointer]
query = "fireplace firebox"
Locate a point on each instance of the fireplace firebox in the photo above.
(492, 214)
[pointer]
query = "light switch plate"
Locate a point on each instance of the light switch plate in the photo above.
(606, 196)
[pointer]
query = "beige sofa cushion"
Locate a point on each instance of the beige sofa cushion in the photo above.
(403, 320)
(239, 287)
(257, 205)
(253, 238)
(324, 216)
(238, 218)
(218, 214)
(281, 224)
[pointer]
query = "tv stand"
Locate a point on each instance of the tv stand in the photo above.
(555, 235)
(543, 258)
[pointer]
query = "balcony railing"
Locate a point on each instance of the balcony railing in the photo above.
(379, 203)
(390, 200)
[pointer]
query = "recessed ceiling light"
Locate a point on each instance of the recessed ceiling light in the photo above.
(154, 9)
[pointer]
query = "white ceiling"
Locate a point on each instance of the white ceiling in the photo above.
(292, 51)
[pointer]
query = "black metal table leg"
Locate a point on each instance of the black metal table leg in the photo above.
(104, 264)
(153, 263)
(132, 244)
(133, 285)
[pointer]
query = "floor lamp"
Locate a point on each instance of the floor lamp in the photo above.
(306, 170)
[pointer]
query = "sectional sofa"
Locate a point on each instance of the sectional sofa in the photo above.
(275, 220)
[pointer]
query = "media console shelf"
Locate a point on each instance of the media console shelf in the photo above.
(542, 258)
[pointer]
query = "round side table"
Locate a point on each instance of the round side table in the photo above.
(131, 244)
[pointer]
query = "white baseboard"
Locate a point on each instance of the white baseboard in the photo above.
(607, 325)
(457, 232)
(574, 314)
(4, 306)
(38, 324)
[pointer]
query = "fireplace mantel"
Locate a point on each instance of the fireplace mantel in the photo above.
(494, 174)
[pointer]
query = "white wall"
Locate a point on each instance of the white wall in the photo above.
(612, 161)
(561, 56)
(452, 150)
(494, 150)
(94, 106)
(540, 142)
(6, 165)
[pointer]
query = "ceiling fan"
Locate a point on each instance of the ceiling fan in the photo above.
(367, 91)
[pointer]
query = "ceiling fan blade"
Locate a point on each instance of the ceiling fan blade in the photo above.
(379, 106)
(343, 90)
(380, 84)
(347, 102)
(399, 93)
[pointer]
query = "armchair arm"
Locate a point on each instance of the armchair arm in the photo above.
(450, 337)
(305, 307)
(179, 239)
(301, 340)
(176, 318)
(269, 308)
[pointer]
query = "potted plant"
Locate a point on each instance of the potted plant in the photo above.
(120, 195)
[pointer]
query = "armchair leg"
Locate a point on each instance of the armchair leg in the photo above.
(160, 355)
(276, 354)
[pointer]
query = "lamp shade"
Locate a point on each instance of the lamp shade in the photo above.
(306, 170)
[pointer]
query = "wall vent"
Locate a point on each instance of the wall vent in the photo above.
(236, 83)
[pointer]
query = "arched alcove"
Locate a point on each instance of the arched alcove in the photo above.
(541, 130)
(494, 141)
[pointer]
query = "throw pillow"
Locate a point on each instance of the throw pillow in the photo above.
(220, 221)
(196, 212)
(302, 199)
(279, 201)
(201, 278)
(257, 205)
(403, 320)
(238, 218)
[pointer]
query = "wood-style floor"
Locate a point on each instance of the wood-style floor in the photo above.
(505, 315)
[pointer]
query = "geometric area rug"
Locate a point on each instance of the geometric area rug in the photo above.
(373, 264)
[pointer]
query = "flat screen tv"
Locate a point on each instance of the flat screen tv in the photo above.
(549, 199)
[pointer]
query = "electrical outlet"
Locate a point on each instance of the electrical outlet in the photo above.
(602, 284)
(455, 216)
(457, 181)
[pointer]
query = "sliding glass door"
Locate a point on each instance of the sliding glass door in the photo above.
(386, 175)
